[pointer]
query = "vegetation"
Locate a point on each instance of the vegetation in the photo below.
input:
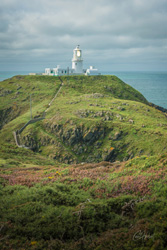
(89, 116)
(96, 177)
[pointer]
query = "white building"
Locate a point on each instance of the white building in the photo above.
(77, 67)
(92, 71)
(77, 61)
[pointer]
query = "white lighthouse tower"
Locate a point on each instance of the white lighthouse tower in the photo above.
(77, 61)
(77, 67)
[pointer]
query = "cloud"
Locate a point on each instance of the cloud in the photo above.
(107, 30)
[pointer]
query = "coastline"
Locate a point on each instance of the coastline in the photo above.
(158, 107)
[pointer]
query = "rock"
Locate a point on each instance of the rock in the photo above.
(125, 158)
(72, 140)
(131, 156)
(119, 116)
(76, 102)
(109, 88)
(120, 108)
(5, 92)
(124, 103)
(107, 118)
(108, 156)
(53, 142)
(131, 121)
(6, 115)
(88, 136)
(158, 107)
(117, 135)
(82, 113)
(128, 208)
(95, 95)
(80, 150)
(98, 144)
(141, 151)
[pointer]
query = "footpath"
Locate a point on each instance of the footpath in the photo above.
(17, 133)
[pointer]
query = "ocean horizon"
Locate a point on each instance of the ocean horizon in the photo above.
(153, 85)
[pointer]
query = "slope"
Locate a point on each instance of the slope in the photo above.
(47, 204)
(92, 118)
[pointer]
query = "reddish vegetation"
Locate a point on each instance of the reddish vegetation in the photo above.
(26, 176)
(125, 183)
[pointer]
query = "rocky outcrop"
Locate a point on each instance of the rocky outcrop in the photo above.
(30, 142)
(95, 95)
(78, 134)
(105, 115)
(84, 142)
(4, 116)
(7, 115)
(117, 135)
(72, 143)
(158, 107)
(34, 142)
(5, 92)
(108, 155)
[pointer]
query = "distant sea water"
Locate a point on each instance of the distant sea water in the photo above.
(153, 85)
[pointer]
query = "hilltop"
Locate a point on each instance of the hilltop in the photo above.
(94, 176)
(92, 118)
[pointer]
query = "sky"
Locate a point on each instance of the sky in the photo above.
(114, 35)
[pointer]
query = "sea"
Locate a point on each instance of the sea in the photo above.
(153, 85)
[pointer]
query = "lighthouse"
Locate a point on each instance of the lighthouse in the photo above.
(77, 67)
(77, 61)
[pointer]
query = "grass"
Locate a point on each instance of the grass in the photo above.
(66, 206)
(86, 103)
(64, 195)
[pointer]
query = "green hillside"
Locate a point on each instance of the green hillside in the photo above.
(92, 118)
(94, 176)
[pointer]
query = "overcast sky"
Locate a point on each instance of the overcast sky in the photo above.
(115, 35)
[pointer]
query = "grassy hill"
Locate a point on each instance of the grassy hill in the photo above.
(92, 118)
(95, 176)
